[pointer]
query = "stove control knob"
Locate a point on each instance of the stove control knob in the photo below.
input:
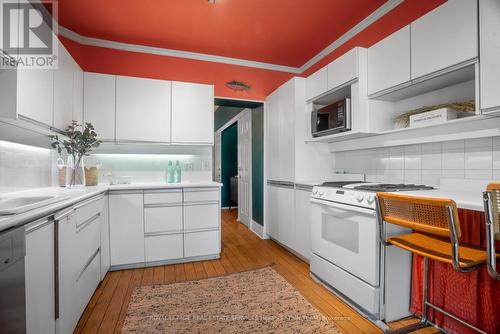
(370, 199)
(360, 198)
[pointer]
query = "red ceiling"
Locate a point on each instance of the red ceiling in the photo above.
(285, 32)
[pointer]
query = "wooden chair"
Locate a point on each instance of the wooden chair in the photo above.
(491, 199)
(435, 235)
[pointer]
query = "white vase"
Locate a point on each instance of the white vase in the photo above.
(75, 172)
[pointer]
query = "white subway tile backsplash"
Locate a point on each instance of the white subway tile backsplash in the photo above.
(427, 163)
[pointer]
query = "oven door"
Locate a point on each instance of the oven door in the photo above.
(347, 236)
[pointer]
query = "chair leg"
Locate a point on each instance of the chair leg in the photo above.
(423, 320)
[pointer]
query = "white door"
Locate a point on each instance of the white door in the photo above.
(347, 237)
(303, 213)
(217, 157)
(192, 113)
(40, 278)
(389, 61)
(244, 167)
(143, 109)
(99, 98)
(446, 36)
(126, 228)
(489, 21)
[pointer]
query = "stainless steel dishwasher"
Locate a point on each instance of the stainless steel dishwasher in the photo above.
(12, 300)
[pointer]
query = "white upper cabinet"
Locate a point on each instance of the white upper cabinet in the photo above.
(343, 69)
(35, 90)
(446, 36)
(63, 92)
(143, 109)
(489, 20)
(192, 113)
(78, 96)
(99, 103)
(389, 61)
(317, 83)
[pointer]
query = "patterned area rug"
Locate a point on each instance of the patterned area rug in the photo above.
(259, 301)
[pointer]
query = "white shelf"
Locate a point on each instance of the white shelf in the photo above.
(464, 128)
(341, 136)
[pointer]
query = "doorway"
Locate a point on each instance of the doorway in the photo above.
(238, 160)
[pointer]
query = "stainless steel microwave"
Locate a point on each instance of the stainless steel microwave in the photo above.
(333, 118)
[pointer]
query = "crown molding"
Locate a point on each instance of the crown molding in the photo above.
(63, 31)
(366, 22)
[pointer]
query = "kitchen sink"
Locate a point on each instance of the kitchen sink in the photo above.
(19, 204)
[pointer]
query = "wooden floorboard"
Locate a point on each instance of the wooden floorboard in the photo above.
(241, 250)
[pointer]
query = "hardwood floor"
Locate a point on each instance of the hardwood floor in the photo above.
(241, 250)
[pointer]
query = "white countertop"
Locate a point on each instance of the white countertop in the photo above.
(468, 194)
(73, 196)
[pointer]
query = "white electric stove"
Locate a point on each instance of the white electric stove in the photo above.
(346, 253)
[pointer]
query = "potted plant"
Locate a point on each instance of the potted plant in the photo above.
(82, 139)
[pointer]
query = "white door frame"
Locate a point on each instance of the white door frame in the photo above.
(222, 128)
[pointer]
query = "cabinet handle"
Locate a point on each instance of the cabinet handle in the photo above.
(65, 214)
(89, 262)
(92, 200)
(87, 222)
(37, 225)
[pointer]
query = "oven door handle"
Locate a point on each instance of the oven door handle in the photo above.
(335, 205)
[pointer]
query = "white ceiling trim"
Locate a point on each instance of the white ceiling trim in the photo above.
(369, 20)
(365, 23)
(172, 53)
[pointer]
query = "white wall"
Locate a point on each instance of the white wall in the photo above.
(425, 163)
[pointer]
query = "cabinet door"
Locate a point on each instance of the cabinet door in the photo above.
(272, 224)
(286, 216)
(489, 21)
(303, 223)
(201, 243)
(68, 271)
(99, 103)
(40, 292)
(105, 260)
(192, 113)
(343, 69)
(272, 136)
(164, 247)
(78, 96)
(35, 95)
(444, 37)
(389, 61)
(286, 132)
(63, 94)
(317, 83)
(126, 226)
(143, 109)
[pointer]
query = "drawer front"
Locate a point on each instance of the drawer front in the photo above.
(163, 219)
(164, 247)
(87, 283)
(88, 239)
(201, 195)
(89, 209)
(201, 243)
(201, 216)
(173, 196)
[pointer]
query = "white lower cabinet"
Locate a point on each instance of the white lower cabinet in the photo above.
(286, 216)
(201, 216)
(163, 219)
(303, 222)
(87, 282)
(163, 247)
(126, 228)
(40, 278)
(201, 243)
(272, 212)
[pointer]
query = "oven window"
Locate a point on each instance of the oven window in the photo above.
(341, 232)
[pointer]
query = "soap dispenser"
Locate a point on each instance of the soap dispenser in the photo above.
(178, 172)
(170, 172)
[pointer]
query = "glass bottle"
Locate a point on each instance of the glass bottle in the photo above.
(178, 172)
(170, 172)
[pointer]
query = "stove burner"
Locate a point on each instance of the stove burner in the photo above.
(393, 187)
(339, 184)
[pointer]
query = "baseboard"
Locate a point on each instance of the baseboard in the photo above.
(227, 208)
(164, 262)
(257, 229)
